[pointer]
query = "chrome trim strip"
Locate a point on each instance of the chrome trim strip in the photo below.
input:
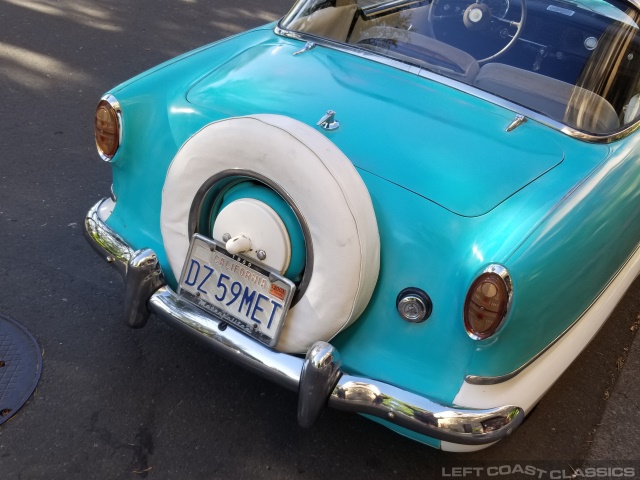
(346, 48)
(481, 380)
(318, 378)
(528, 113)
(463, 87)
(419, 414)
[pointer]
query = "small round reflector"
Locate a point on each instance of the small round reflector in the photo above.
(107, 130)
(486, 305)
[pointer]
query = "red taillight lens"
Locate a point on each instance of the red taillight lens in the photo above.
(107, 129)
(486, 305)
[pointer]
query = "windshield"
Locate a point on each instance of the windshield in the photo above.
(574, 61)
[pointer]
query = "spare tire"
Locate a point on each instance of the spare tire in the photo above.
(322, 187)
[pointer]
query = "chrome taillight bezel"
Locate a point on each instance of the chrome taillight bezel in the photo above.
(500, 273)
(111, 103)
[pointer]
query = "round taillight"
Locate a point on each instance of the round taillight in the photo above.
(107, 129)
(487, 304)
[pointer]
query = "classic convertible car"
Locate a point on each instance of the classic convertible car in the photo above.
(420, 211)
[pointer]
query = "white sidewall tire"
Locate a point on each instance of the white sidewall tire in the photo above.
(327, 192)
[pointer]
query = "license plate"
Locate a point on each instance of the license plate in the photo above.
(236, 291)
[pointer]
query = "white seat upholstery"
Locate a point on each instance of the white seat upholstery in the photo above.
(575, 106)
(330, 22)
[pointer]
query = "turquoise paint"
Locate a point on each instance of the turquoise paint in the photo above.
(567, 260)
(469, 178)
(508, 192)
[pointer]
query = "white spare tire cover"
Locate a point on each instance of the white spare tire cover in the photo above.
(328, 193)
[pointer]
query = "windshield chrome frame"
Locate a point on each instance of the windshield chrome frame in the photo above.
(461, 86)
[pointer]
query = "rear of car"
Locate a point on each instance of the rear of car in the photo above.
(428, 198)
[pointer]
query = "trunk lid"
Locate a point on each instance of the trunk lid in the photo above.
(443, 144)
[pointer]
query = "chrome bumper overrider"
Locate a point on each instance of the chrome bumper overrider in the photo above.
(317, 378)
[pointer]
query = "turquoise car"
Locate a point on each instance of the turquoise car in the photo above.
(420, 211)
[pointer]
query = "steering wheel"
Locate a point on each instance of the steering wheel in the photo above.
(477, 17)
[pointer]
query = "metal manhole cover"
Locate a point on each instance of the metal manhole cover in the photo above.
(20, 366)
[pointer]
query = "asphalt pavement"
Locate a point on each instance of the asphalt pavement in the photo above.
(617, 435)
(115, 403)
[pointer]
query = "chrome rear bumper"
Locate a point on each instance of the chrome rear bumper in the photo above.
(317, 378)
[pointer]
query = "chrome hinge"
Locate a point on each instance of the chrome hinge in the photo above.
(519, 120)
(307, 46)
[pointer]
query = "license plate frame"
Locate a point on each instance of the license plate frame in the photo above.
(210, 277)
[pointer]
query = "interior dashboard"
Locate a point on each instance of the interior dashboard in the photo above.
(557, 36)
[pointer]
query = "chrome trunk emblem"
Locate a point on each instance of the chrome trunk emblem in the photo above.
(328, 122)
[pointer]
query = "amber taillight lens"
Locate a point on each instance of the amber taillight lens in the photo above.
(107, 130)
(486, 305)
